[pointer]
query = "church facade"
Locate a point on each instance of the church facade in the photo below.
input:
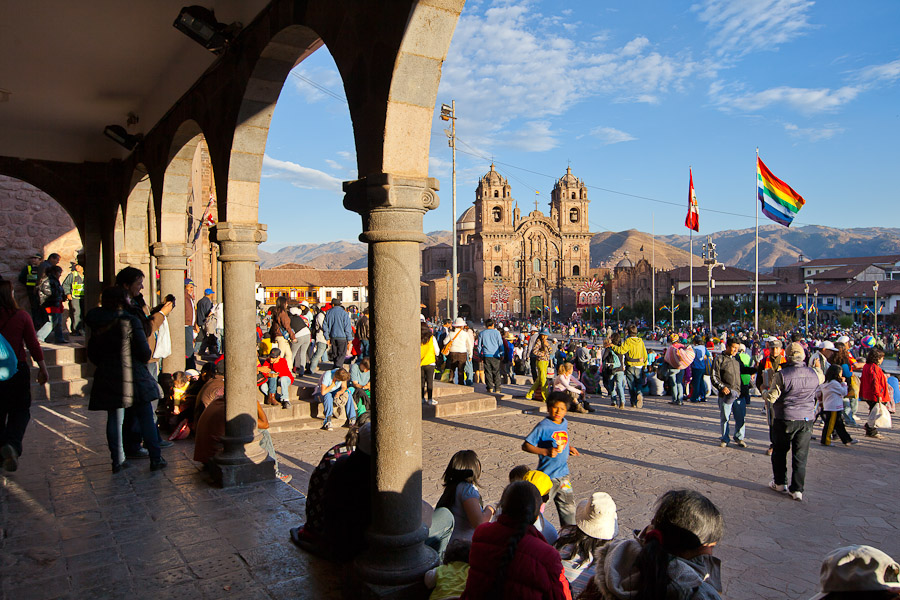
(514, 265)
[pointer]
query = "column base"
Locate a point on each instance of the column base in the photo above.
(395, 561)
(361, 590)
(233, 473)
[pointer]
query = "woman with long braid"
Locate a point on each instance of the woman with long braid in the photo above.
(510, 559)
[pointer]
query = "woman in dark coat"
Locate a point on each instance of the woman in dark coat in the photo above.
(117, 345)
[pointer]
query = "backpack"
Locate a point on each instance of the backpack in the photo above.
(9, 364)
(612, 360)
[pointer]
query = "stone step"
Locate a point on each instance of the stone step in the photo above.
(55, 354)
(60, 372)
(458, 405)
(446, 390)
(60, 389)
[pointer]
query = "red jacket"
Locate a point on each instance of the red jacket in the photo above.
(535, 573)
(280, 366)
(873, 384)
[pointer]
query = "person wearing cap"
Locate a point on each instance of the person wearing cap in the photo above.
(596, 523)
(772, 359)
(460, 346)
(859, 572)
(338, 330)
(205, 311)
(791, 396)
(544, 484)
(635, 354)
(726, 379)
(540, 354)
(28, 277)
(278, 376)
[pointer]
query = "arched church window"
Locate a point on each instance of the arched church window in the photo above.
(496, 194)
(537, 265)
(573, 195)
(573, 215)
(497, 214)
(555, 265)
(576, 271)
(518, 265)
(498, 272)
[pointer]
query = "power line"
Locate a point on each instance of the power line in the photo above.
(319, 87)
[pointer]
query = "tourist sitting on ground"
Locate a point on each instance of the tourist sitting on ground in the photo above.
(510, 559)
(544, 484)
(859, 573)
(180, 383)
(593, 380)
(671, 557)
(338, 509)
(212, 388)
(332, 393)
(360, 385)
(596, 523)
(448, 581)
(274, 378)
(461, 495)
(566, 382)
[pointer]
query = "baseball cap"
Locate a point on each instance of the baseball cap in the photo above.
(208, 291)
(188, 281)
(858, 569)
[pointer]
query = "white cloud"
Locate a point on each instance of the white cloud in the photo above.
(611, 135)
(886, 73)
(743, 26)
(813, 134)
(803, 100)
(512, 70)
(299, 176)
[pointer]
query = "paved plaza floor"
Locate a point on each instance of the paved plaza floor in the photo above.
(69, 528)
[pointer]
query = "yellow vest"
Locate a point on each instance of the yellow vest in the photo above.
(31, 278)
(427, 353)
(77, 288)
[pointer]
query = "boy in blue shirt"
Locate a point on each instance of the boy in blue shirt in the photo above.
(550, 441)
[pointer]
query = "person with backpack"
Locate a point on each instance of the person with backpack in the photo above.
(16, 332)
(635, 355)
(614, 370)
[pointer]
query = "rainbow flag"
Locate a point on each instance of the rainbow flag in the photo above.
(556, 309)
(778, 201)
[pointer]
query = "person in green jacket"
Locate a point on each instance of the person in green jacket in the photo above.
(635, 354)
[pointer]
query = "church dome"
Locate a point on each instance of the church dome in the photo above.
(625, 263)
(568, 180)
(467, 220)
(493, 178)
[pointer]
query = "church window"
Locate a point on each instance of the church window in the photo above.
(537, 265)
(555, 264)
(498, 271)
(573, 195)
(497, 248)
(496, 194)
(573, 215)
(518, 265)
(576, 271)
(497, 214)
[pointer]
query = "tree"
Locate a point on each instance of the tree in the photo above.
(845, 321)
(723, 310)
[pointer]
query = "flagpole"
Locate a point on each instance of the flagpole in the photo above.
(653, 267)
(756, 211)
(691, 301)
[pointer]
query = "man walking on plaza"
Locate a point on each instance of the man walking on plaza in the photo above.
(190, 324)
(791, 396)
(490, 345)
(73, 288)
(698, 371)
(338, 329)
(362, 332)
(726, 378)
(773, 358)
(28, 277)
(635, 354)
(205, 309)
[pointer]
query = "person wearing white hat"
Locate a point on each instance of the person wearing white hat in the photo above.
(458, 346)
(859, 572)
(596, 522)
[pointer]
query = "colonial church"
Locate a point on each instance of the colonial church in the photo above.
(510, 264)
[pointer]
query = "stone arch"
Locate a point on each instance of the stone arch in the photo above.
(176, 188)
(140, 222)
(118, 240)
(285, 50)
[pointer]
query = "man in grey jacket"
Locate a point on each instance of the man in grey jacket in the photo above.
(726, 378)
(338, 330)
(791, 394)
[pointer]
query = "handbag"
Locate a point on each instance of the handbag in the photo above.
(446, 349)
(879, 417)
(853, 387)
(9, 363)
(163, 341)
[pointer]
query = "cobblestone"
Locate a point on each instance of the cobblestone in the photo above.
(69, 528)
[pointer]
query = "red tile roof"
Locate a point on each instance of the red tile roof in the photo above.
(309, 277)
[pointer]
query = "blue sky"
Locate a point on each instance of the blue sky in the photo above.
(630, 94)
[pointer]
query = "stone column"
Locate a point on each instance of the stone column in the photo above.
(242, 459)
(171, 262)
(392, 209)
(90, 241)
(142, 262)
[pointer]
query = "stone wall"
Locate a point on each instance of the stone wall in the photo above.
(32, 222)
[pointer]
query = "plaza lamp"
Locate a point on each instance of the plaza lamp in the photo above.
(672, 311)
(448, 278)
(806, 305)
(448, 113)
(603, 302)
(816, 304)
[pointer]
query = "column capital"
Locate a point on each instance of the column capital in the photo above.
(134, 258)
(170, 256)
(391, 206)
(238, 241)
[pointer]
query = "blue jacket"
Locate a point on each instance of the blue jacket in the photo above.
(490, 344)
(337, 324)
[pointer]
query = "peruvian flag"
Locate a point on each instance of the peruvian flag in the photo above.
(210, 220)
(692, 220)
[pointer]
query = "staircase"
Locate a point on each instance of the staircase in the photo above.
(457, 400)
(70, 373)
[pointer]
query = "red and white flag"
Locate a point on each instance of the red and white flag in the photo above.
(210, 220)
(692, 220)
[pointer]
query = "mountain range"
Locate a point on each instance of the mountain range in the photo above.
(778, 246)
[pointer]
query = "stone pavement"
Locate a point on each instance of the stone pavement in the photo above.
(69, 528)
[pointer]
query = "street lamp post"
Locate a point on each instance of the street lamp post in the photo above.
(806, 306)
(672, 311)
(449, 279)
(875, 309)
(603, 302)
(618, 314)
(709, 259)
(448, 113)
(816, 304)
